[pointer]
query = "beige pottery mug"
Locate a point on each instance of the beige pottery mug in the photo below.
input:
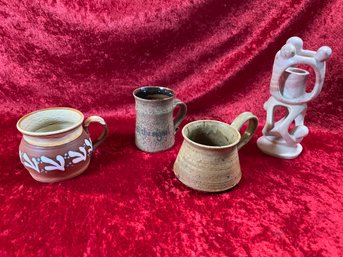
(208, 159)
(155, 124)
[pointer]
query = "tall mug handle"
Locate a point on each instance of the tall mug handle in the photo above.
(181, 114)
(104, 133)
(250, 130)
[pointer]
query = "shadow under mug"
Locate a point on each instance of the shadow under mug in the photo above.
(208, 158)
(56, 144)
(155, 124)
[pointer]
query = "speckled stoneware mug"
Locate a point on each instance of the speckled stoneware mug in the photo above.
(155, 125)
(56, 144)
(208, 159)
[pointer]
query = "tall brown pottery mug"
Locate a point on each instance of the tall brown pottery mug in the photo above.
(155, 125)
(56, 144)
(208, 159)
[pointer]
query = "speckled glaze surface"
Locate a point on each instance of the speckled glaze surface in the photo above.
(208, 158)
(155, 125)
(56, 144)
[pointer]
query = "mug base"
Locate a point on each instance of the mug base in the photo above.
(201, 187)
(57, 179)
(154, 151)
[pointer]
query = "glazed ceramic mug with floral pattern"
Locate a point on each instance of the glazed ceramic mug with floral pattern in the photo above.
(56, 144)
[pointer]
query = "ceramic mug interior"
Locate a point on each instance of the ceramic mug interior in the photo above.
(153, 93)
(50, 121)
(210, 133)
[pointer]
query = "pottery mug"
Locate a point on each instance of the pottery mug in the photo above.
(208, 158)
(155, 125)
(56, 144)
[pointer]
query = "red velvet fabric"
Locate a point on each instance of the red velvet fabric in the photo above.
(217, 55)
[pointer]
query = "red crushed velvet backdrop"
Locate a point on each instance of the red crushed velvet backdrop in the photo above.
(217, 55)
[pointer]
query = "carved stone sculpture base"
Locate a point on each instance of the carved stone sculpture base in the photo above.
(278, 147)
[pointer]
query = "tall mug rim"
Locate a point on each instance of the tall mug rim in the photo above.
(154, 89)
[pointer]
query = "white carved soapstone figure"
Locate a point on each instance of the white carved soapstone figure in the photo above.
(288, 90)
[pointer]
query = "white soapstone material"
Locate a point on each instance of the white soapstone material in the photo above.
(288, 90)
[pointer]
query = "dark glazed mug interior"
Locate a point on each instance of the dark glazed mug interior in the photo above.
(153, 93)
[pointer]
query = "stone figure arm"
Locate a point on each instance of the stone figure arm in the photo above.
(291, 55)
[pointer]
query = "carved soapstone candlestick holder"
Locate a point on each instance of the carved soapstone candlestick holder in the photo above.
(288, 90)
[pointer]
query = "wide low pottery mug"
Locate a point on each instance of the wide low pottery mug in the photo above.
(208, 158)
(56, 144)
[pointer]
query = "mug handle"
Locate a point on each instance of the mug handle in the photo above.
(104, 133)
(181, 113)
(250, 130)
